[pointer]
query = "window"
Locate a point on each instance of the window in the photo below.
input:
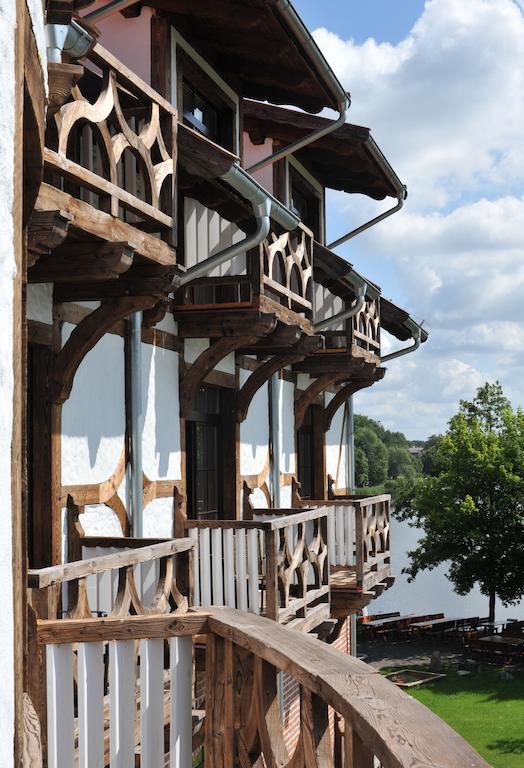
(306, 202)
(200, 113)
(205, 106)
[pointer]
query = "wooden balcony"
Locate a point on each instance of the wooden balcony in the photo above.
(359, 549)
(109, 176)
(123, 692)
(275, 565)
(274, 279)
(352, 348)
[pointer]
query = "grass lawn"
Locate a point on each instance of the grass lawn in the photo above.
(487, 711)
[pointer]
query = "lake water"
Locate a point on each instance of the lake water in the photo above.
(431, 592)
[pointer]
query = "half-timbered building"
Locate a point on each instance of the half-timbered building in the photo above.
(188, 549)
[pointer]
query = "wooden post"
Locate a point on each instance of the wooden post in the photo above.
(356, 753)
(272, 601)
(359, 544)
(219, 741)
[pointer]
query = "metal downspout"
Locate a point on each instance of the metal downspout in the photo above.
(264, 206)
(300, 143)
(406, 350)
(135, 360)
(371, 223)
(345, 314)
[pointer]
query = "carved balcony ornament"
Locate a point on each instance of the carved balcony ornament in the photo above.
(120, 151)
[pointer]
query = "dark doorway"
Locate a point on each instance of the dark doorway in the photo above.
(310, 454)
(210, 457)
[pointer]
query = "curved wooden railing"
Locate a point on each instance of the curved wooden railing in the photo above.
(350, 716)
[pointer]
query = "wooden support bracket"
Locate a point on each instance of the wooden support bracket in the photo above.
(46, 230)
(341, 397)
(306, 346)
(311, 393)
(87, 333)
(205, 363)
(78, 262)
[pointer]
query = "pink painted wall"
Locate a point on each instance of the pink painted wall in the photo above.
(255, 152)
(128, 39)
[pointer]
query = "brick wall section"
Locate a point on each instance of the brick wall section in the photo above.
(291, 695)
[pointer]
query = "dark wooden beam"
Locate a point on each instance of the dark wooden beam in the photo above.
(218, 320)
(78, 262)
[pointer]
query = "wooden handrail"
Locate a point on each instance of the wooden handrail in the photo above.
(370, 717)
(274, 520)
(383, 721)
(57, 574)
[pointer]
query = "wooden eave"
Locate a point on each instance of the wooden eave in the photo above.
(345, 363)
(342, 160)
(235, 36)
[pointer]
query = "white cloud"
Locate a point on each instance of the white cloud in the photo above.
(446, 105)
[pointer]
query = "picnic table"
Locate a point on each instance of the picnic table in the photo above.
(380, 623)
(434, 623)
(502, 642)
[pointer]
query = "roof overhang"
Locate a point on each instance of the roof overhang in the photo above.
(348, 159)
(261, 48)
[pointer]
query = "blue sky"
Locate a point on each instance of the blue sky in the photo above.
(441, 85)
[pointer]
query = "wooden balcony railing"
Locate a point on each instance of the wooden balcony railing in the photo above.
(280, 270)
(139, 580)
(275, 565)
(349, 714)
(358, 537)
(362, 331)
(113, 145)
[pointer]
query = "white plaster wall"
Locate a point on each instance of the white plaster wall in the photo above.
(335, 440)
(39, 302)
(7, 273)
(161, 454)
(254, 431)
(93, 418)
(158, 518)
(207, 233)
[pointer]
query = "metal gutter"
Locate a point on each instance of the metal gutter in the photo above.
(107, 10)
(265, 207)
(340, 95)
(368, 224)
(418, 334)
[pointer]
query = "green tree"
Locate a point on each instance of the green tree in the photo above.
(376, 453)
(471, 512)
(361, 468)
(429, 455)
(400, 463)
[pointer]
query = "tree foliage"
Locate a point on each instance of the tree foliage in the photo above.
(376, 453)
(380, 454)
(471, 508)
